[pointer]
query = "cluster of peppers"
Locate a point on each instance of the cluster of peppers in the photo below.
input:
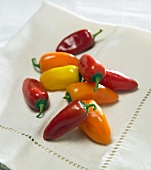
(87, 84)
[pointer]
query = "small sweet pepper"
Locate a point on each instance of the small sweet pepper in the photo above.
(60, 77)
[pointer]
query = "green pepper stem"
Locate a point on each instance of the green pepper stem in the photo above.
(34, 63)
(67, 97)
(86, 106)
(94, 35)
(97, 78)
(40, 104)
(41, 108)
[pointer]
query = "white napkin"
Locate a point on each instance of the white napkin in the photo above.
(21, 134)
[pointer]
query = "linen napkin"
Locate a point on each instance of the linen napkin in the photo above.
(21, 133)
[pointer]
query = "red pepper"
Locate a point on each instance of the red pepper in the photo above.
(35, 95)
(116, 80)
(67, 119)
(77, 42)
(91, 69)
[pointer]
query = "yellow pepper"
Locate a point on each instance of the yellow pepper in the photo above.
(60, 77)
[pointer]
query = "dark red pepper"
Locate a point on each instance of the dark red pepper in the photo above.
(67, 119)
(116, 80)
(91, 70)
(77, 42)
(35, 95)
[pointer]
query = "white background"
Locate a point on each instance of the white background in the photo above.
(134, 13)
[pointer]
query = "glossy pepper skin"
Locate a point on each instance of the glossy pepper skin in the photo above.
(96, 125)
(67, 119)
(116, 80)
(78, 42)
(35, 95)
(58, 78)
(55, 59)
(91, 69)
(84, 91)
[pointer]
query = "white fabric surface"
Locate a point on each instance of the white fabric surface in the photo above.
(119, 48)
(15, 13)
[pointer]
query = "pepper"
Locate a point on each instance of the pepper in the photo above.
(55, 59)
(116, 80)
(58, 78)
(78, 42)
(91, 69)
(84, 91)
(67, 119)
(35, 95)
(96, 125)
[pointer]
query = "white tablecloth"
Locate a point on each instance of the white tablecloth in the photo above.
(24, 33)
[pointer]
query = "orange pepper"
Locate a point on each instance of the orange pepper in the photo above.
(55, 59)
(96, 126)
(85, 91)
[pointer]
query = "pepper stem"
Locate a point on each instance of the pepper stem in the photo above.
(96, 78)
(67, 97)
(40, 104)
(35, 63)
(86, 106)
(94, 35)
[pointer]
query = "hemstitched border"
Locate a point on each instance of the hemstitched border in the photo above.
(125, 132)
(74, 164)
(113, 151)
